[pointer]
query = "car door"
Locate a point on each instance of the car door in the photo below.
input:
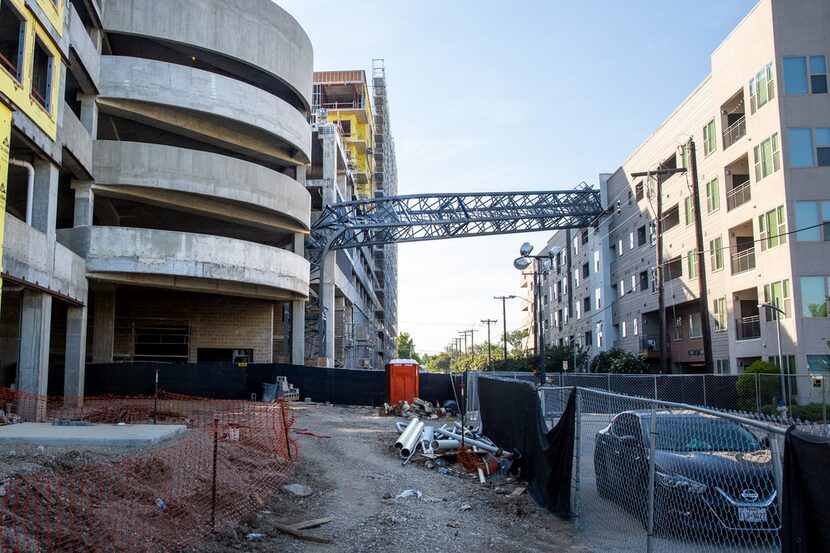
(627, 456)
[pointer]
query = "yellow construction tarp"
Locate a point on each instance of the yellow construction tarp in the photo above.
(5, 137)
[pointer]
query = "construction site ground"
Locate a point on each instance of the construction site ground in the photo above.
(354, 477)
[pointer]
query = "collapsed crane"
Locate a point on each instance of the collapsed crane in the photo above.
(422, 217)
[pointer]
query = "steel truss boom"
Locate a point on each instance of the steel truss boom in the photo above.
(422, 217)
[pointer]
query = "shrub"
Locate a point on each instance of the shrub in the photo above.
(618, 361)
(768, 387)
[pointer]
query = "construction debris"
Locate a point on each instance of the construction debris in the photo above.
(418, 408)
(297, 490)
(291, 531)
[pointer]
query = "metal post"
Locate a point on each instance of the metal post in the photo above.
(703, 378)
(156, 399)
(655, 385)
(777, 469)
(824, 404)
(577, 456)
(758, 393)
(608, 388)
(652, 439)
(213, 485)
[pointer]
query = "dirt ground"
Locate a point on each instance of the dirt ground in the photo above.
(355, 476)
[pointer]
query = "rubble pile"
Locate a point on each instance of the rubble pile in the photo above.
(419, 408)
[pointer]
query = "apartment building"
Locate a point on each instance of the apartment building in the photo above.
(157, 206)
(761, 125)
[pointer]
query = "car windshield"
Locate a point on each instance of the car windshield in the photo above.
(696, 433)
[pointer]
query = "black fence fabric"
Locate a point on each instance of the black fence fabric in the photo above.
(511, 416)
(805, 525)
(230, 381)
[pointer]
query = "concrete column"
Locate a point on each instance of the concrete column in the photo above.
(103, 327)
(75, 361)
(84, 203)
(45, 198)
(298, 314)
(327, 305)
(89, 114)
(33, 364)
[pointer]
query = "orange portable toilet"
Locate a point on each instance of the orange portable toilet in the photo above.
(402, 380)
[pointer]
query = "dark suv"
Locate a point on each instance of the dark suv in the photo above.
(711, 475)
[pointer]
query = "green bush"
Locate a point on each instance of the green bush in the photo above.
(768, 387)
(618, 361)
(810, 412)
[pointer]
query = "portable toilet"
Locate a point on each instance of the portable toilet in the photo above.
(402, 380)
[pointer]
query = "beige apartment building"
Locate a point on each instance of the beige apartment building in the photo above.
(761, 125)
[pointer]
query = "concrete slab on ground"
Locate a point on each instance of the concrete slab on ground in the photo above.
(96, 435)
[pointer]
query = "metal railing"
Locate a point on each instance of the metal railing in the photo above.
(748, 328)
(743, 261)
(734, 132)
(739, 195)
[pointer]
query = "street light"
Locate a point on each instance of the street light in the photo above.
(521, 263)
(778, 314)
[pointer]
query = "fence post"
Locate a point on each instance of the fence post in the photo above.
(758, 393)
(156, 398)
(577, 456)
(824, 403)
(213, 485)
(283, 408)
(608, 388)
(777, 469)
(652, 439)
(703, 379)
(655, 386)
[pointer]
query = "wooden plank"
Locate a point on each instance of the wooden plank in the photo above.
(311, 523)
(297, 534)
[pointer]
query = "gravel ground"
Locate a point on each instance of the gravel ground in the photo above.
(355, 476)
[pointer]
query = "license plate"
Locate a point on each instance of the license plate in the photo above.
(749, 514)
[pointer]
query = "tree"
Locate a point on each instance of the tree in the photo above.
(406, 347)
(756, 384)
(574, 354)
(618, 361)
(515, 345)
(440, 362)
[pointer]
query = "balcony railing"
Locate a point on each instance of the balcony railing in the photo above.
(748, 328)
(739, 195)
(734, 132)
(743, 261)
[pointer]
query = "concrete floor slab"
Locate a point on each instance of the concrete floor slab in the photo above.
(96, 435)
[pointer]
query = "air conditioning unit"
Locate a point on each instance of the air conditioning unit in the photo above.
(364, 363)
(651, 344)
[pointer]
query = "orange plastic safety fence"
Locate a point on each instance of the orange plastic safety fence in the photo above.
(233, 455)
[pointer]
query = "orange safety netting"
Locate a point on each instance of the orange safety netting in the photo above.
(233, 455)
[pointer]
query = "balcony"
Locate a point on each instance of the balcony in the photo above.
(743, 261)
(734, 132)
(738, 195)
(748, 328)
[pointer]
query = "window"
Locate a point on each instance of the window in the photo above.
(691, 263)
(576, 277)
(619, 248)
(761, 88)
(719, 311)
(42, 75)
(801, 148)
(589, 338)
(584, 236)
(778, 294)
(345, 126)
(641, 236)
(771, 228)
(651, 185)
(638, 191)
(586, 304)
(810, 214)
(823, 147)
(12, 40)
(631, 240)
(671, 218)
(814, 296)
(596, 261)
(678, 329)
(599, 335)
(674, 269)
(767, 157)
(621, 290)
(709, 141)
(623, 331)
(598, 297)
(633, 283)
(586, 270)
(683, 157)
(798, 80)
(636, 323)
(690, 210)
(643, 281)
(162, 342)
(722, 366)
(578, 310)
(712, 195)
(716, 253)
(576, 245)
(695, 328)
(652, 232)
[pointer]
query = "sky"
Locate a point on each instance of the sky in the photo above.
(494, 96)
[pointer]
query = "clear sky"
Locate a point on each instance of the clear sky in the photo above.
(493, 96)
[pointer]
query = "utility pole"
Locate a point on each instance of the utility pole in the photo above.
(504, 318)
(661, 296)
(488, 322)
(701, 263)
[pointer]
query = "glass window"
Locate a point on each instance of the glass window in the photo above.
(12, 40)
(801, 148)
(823, 147)
(598, 297)
(622, 288)
(813, 297)
(716, 253)
(818, 364)
(42, 62)
(761, 88)
(772, 228)
(690, 210)
(806, 215)
(631, 240)
(596, 261)
(678, 329)
(638, 191)
(719, 311)
(825, 219)
(633, 283)
(818, 75)
(691, 259)
(695, 328)
(619, 248)
(712, 195)
(709, 142)
(622, 330)
(722, 366)
(636, 324)
(795, 75)
(778, 294)
(767, 157)
(683, 157)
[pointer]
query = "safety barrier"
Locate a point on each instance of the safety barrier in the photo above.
(233, 455)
